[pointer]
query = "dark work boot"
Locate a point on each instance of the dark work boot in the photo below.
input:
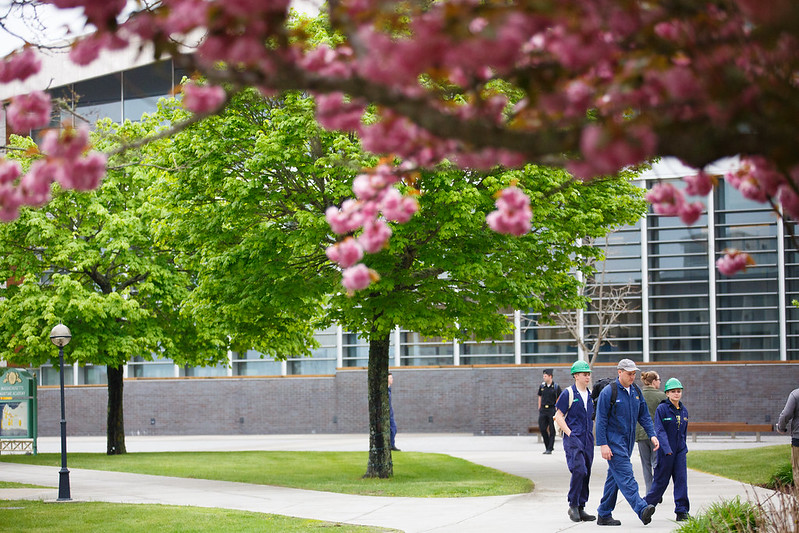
(607, 521)
(646, 514)
(683, 516)
(574, 514)
(585, 517)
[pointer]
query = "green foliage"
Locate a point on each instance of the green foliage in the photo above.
(248, 191)
(421, 475)
(782, 477)
(90, 260)
(728, 516)
(79, 517)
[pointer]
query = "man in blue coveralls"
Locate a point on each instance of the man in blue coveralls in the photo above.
(615, 435)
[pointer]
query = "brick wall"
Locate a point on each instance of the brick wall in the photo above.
(478, 400)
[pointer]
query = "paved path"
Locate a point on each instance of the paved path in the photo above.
(543, 510)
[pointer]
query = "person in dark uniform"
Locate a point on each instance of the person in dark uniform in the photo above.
(548, 394)
(671, 424)
(392, 424)
(575, 417)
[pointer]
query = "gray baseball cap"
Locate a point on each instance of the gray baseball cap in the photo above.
(627, 365)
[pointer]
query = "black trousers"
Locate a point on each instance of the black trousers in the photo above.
(546, 424)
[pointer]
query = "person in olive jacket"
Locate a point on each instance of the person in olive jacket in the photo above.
(653, 396)
(671, 425)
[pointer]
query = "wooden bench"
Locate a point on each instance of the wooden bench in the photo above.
(728, 427)
(536, 430)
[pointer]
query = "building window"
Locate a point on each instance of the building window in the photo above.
(254, 363)
(144, 86)
(98, 98)
(158, 367)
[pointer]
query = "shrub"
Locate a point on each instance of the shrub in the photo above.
(727, 516)
(782, 478)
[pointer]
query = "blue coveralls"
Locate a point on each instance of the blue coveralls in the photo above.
(579, 446)
(617, 430)
(671, 425)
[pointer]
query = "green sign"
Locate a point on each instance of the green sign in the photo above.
(18, 409)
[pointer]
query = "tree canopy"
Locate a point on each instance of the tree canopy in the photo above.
(247, 191)
(90, 260)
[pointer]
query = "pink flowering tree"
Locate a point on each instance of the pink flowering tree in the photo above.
(248, 194)
(589, 86)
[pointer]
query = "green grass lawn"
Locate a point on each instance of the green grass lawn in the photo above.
(415, 474)
(13, 485)
(754, 466)
(23, 516)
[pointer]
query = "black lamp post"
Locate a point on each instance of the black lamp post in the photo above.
(61, 336)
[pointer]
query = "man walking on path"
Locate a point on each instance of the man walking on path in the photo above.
(619, 406)
(790, 413)
(548, 394)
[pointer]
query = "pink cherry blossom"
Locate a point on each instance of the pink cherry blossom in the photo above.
(699, 184)
(334, 113)
(101, 13)
(10, 200)
(513, 215)
(690, 213)
(20, 66)
(733, 262)
(85, 51)
(756, 179)
(397, 207)
(358, 277)
(9, 171)
(29, 112)
(34, 187)
(203, 99)
(666, 199)
(789, 200)
(87, 173)
(346, 253)
(375, 236)
(185, 15)
(67, 143)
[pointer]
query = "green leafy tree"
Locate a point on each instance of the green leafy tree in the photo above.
(250, 187)
(89, 260)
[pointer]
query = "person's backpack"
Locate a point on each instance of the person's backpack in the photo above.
(614, 392)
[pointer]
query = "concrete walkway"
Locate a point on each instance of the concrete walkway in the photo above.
(544, 509)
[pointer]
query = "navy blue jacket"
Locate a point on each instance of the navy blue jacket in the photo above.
(617, 430)
(671, 425)
(576, 416)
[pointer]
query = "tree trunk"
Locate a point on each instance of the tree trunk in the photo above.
(116, 422)
(380, 464)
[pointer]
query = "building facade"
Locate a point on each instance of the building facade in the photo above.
(681, 310)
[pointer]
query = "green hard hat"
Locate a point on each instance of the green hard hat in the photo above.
(580, 366)
(672, 383)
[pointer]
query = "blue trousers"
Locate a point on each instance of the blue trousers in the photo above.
(671, 467)
(579, 458)
(620, 477)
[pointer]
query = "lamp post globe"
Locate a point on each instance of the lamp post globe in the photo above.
(60, 336)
